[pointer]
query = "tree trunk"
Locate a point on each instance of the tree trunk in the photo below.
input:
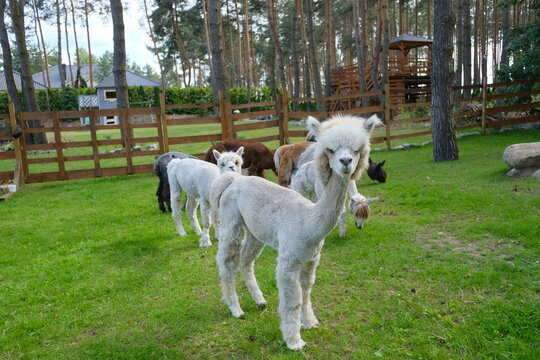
(467, 47)
(330, 46)
(27, 83)
(312, 49)
(377, 49)
(219, 80)
(443, 127)
(360, 56)
(207, 38)
(305, 53)
(45, 57)
(61, 72)
(184, 57)
(429, 18)
(89, 47)
(249, 64)
(233, 72)
(76, 43)
(156, 51)
(495, 37)
(42, 53)
(294, 56)
(505, 27)
(476, 66)
(72, 78)
(13, 95)
(459, 45)
(119, 59)
(278, 57)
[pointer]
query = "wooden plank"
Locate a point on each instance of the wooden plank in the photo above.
(76, 144)
(511, 83)
(514, 121)
(145, 139)
(252, 105)
(225, 117)
(28, 130)
(74, 128)
(241, 116)
(338, 97)
(7, 155)
(501, 109)
(194, 121)
(23, 149)
(466, 87)
(37, 115)
(95, 150)
(468, 100)
(58, 145)
(327, 114)
(6, 175)
(283, 118)
(73, 114)
(39, 146)
(298, 133)
(143, 111)
(509, 95)
(387, 114)
(194, 139)
(190, 106)
(159, 124)
(110, 142)
(142, 126)
(377, 139)
(108, 127)
(79, 158)
(116, 155)
(484, 104)
(146, 153)
(5, 133)
(266, 138)
(46, 160)
(410, 120)
(108, 112)
(420, 133)
(426, 103)
(256, 125)
(164, 128)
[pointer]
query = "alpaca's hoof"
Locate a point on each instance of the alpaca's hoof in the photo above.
(238, 314)
(198, 232)
(297, 345)
(205, 244)
(311, 324)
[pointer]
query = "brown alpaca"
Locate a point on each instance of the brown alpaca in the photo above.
(257, 157)
(286, 160)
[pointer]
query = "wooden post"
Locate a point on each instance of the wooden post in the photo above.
(22, 142)
(225, 117)
(484, 104)
(58, 146)
(95, 149)
(124, 122)
(283, 117)
(18, 175)
(387, 113)
(164, 123)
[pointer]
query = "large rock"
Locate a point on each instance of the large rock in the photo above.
(523, 156)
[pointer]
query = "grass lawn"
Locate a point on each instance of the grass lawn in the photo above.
(448, 267)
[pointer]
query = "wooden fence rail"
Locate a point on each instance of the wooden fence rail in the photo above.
(61, 158)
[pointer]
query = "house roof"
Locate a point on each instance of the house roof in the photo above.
(132, 78)
(17, 78)
(54, 74)
(407, 41)
(88, 101)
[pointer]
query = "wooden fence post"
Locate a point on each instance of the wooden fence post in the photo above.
(484, 104)
(18, 175)
(95, 149)
(282, 104)
(164, 123)
(225, 117)
(387, 113)
(58, 145)
(124, 123)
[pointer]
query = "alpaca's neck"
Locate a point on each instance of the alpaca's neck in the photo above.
(327, 210)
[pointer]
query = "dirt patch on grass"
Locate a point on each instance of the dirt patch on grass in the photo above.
(445, 241)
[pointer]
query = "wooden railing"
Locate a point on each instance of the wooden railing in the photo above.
(223, 120)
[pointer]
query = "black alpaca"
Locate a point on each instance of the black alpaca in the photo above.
(163, 192)
(376, 171)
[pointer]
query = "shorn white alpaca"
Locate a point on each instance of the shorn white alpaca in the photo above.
(305, 182)
(279, 217)
(195, 177)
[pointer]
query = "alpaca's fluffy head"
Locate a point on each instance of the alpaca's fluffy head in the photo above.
(342, 145)
(230, 160)
(359, 208)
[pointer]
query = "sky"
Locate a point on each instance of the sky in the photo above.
(101, 36)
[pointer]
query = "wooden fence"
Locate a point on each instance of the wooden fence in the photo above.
(224, 120)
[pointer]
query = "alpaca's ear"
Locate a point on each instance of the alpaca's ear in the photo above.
(322, 166)
(370, 161)
(240, 151)
(216, 153)
(382, 163)
(314, 126)
(363, 162)
(368, 201)
(371, 122)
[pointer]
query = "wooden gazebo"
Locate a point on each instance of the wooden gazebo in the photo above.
(405, 73)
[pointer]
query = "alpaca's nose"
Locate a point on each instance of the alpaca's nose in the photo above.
(231, 167)
(345, 161)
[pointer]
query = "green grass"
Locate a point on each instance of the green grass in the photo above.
(446, 268)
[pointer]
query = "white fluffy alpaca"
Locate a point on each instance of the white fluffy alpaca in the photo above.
(195, 177)
(305, 182)
(279, 217)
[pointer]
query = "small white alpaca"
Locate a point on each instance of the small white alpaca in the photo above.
(195, 177)
(279, 217)
(305, 182)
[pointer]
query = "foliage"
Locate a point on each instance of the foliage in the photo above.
(446, 268)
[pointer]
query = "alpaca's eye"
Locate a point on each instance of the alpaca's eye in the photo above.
(236, 162)
(357, 151)
(330, 151)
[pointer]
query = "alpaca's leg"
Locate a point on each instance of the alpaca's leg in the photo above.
(191, 210)
(205, 217)
(251, 249)
(228, 256)
(343, 221)
(290, 303)
(159, 194)
(176, 206)
(307, 279)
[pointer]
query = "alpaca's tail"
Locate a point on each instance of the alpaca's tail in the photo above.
(220, 184)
